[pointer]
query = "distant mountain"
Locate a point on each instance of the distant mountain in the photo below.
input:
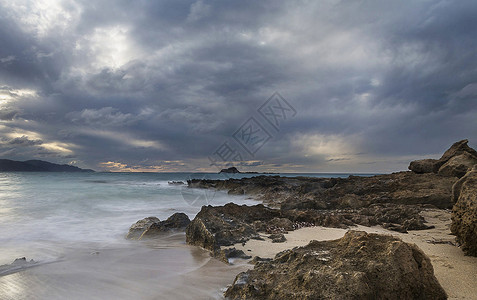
(7, 165)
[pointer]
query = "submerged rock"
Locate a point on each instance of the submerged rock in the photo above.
(152, 226)
(357, 266)
(137, 229)
(17, 265)
(175, 182)
(464, 212)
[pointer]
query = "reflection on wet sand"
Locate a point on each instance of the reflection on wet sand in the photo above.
(165, 269)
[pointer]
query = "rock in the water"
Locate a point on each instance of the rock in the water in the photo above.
(137, 229)
(425, 166)
(176, 182)
(177, 221)
(464, 213)
(152, 226)
(357, 266)
(458, 165)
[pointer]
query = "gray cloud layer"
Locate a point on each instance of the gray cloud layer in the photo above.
(159, 85)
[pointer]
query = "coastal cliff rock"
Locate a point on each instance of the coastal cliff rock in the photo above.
(454, 162)
(152, 226)
(464, 213)
(357, 266)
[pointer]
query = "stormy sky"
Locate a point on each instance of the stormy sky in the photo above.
(167, 85)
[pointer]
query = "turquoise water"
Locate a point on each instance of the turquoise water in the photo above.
(63, 220)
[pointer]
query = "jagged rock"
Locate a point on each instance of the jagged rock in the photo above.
(357, 266)
(258, 259)
(464, 213)
(137, 229)
(425, 166)
(177, 221)
(225, 254)
(152, 226)
(17, 265)
(456, 149)
(275, 225)
(226, 225)
(336, 193)
(396, 217)
(458, 165)
(278, 238)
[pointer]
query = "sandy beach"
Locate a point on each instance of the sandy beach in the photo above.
(455, 271)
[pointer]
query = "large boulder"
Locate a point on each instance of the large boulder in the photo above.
(458, 165)
(152, 226)
(464, 213)
(227, 225)
(425, 166)
(357, 266)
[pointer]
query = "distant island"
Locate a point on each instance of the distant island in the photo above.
(234, 170)
(7, 165)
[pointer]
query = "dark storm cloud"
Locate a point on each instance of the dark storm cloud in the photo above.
(164, 83)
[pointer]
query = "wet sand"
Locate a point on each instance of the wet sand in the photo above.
(155, 269)
(455, 272)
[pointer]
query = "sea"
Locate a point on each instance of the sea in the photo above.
(71, 229)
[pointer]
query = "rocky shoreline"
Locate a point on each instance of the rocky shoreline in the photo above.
(393, 201)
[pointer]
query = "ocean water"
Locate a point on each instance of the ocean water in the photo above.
(73, 226)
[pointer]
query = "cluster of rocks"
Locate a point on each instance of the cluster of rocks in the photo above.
(456, 161)
(357, 266)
